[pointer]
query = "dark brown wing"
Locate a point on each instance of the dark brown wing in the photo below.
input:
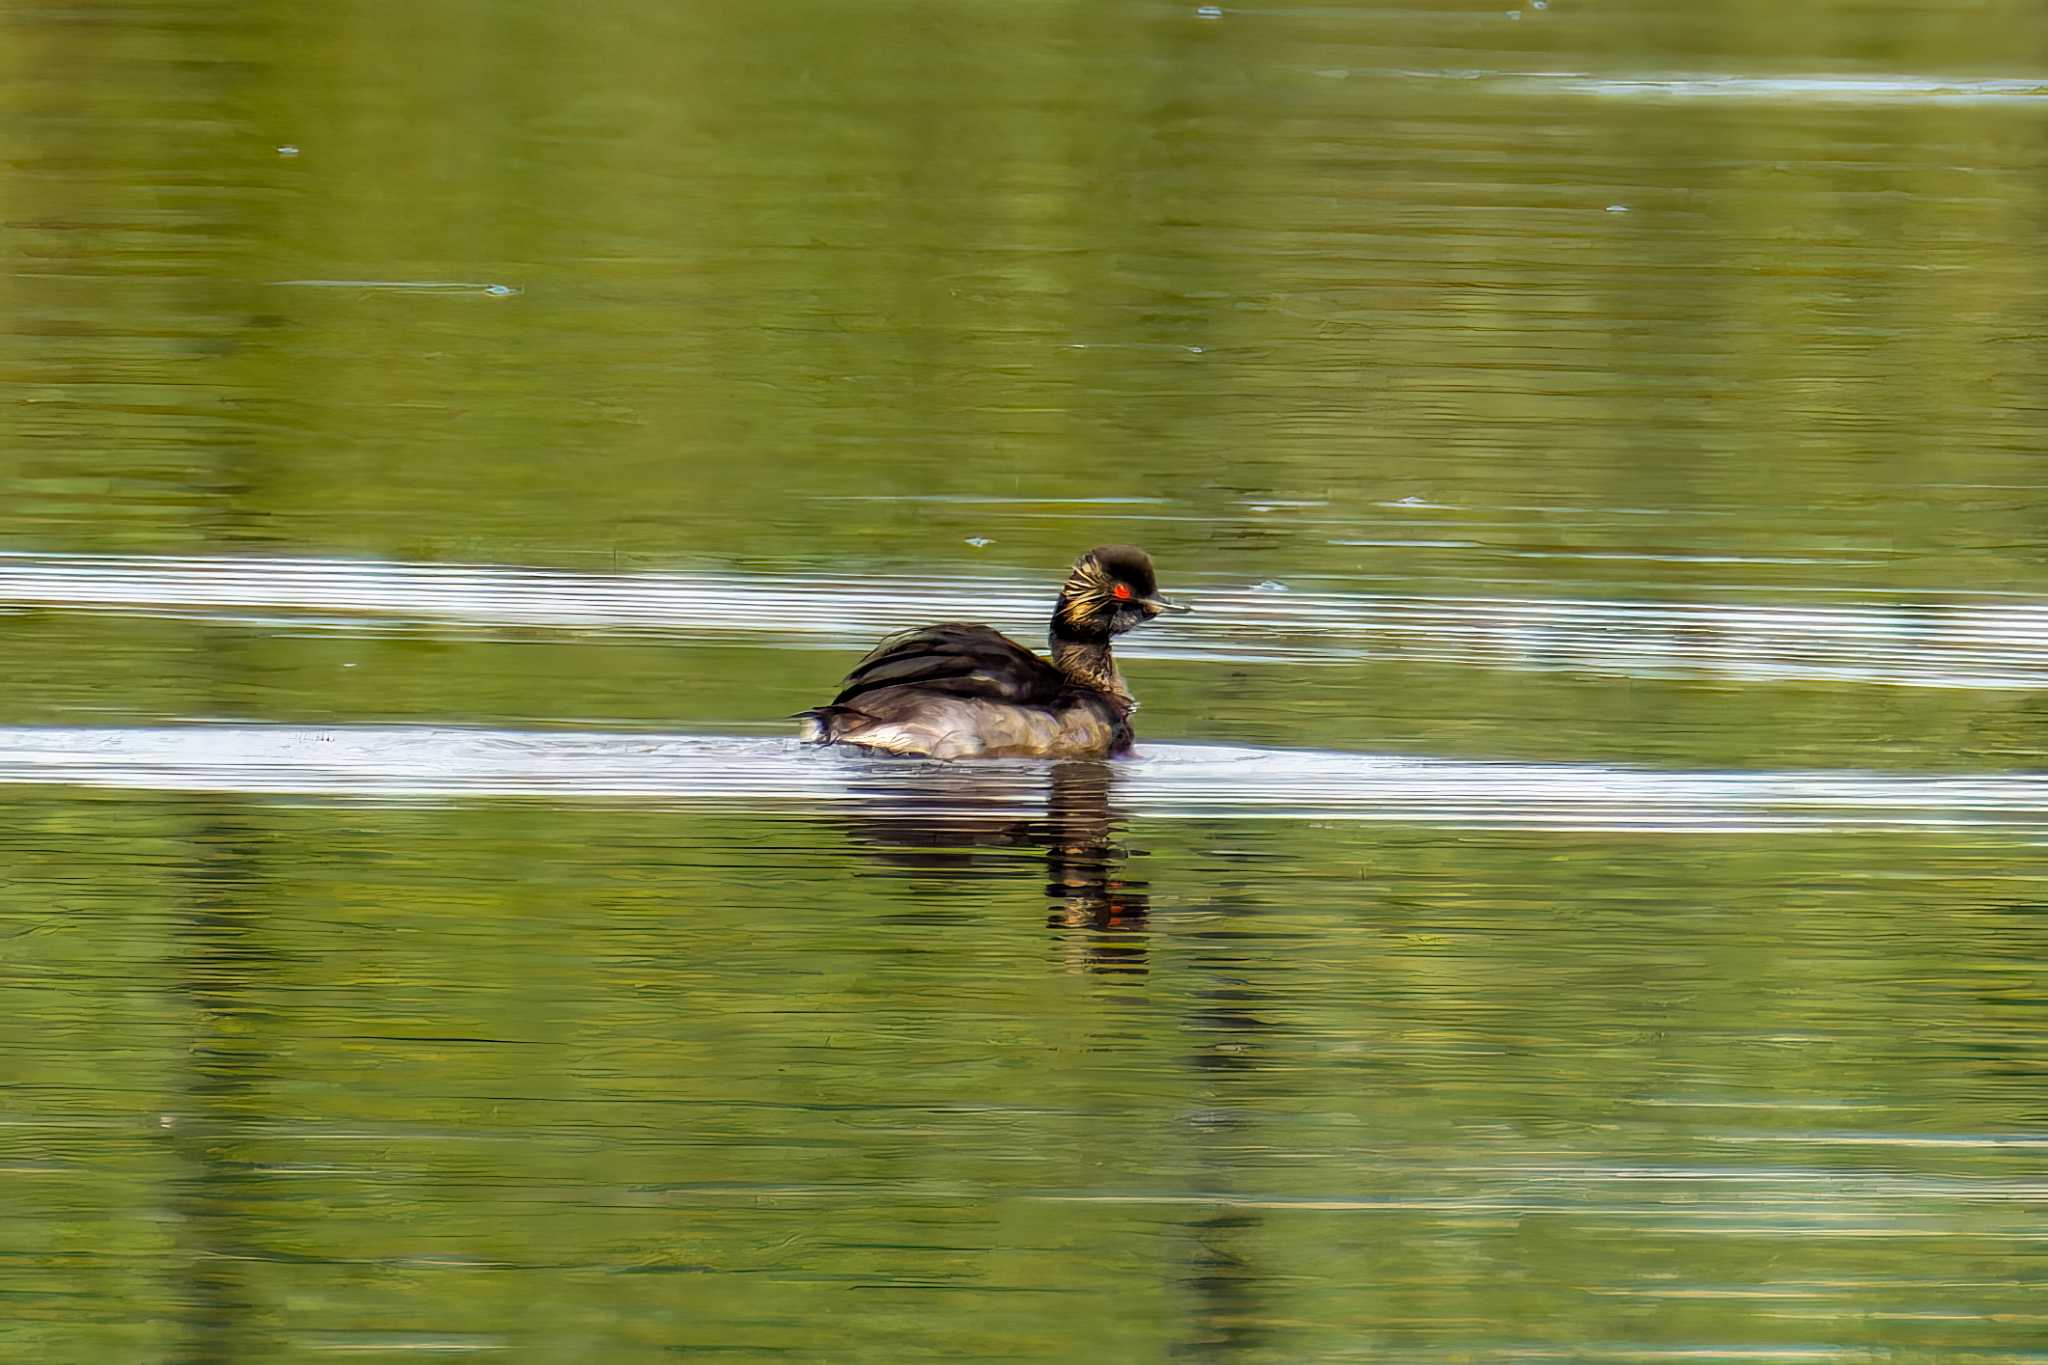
(958, 660)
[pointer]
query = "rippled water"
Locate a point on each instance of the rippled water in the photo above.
(1579, 895)
(1177, 781)
(1909, 640)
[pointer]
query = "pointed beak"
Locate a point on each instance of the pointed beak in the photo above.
(1156, 604)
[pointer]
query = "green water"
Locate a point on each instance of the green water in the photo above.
(1435, 326)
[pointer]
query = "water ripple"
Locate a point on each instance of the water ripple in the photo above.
(1801, 89)
(1909, 640)
(1170, 781)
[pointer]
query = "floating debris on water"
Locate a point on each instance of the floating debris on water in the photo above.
(978, 542)
(287, 150)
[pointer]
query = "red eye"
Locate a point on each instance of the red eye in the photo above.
(1121, 592)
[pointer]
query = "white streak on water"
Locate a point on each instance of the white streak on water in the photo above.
(406, 286)
(1907, 640)
(1792, 89)
(1169, 781)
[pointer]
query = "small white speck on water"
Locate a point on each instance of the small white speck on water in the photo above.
(287, 150)
(1539, 4)
(1270, 585)
(500, 291)
(1514, 14)
(1198, 350)
(350, 664)
(1208, 12)
(1617, 208)
(979, 541)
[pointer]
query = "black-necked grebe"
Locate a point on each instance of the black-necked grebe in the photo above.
(965, 691)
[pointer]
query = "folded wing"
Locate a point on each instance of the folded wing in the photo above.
(959, 660)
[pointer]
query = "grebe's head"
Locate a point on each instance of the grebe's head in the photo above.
(1110, 590)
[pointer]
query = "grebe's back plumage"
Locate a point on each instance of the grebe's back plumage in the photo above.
(966, 691)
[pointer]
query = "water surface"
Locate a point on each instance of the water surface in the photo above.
(1580, 895)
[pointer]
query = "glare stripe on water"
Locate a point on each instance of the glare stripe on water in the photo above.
(1170, 781)
(1906, 641)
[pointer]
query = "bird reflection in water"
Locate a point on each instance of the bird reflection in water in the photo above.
(954, 827)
